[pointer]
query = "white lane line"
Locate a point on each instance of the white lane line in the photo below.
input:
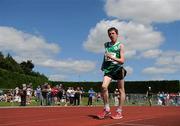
(128, 123)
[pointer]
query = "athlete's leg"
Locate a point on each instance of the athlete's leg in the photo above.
(121, 92)
(121, 89)
(150, 101)
(105, 93)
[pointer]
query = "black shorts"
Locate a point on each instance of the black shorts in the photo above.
(118, 74)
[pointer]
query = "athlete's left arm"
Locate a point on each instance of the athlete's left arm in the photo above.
(121, 59)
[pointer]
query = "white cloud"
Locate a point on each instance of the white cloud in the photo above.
(145, 11)
(25, 46)
(157, 78)
(136, 37)
(169, 58)
(167, 63)
(159, 70)
(57, 77)
(129, 70)
(71, 66)
(152, 53)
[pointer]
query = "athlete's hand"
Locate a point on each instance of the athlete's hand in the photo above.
(109, 56)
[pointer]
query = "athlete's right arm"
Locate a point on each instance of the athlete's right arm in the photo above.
(119, 60)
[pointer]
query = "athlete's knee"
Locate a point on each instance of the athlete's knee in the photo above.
(121, 91)
(104, 88)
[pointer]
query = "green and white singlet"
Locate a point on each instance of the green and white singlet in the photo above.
(109, 66)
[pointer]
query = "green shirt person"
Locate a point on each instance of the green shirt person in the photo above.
(113, 70)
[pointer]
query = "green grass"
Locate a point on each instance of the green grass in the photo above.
(84, 102)
(8, 104)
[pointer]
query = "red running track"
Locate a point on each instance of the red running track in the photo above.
(85, 116)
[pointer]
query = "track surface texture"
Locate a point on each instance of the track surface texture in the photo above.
(86, 116)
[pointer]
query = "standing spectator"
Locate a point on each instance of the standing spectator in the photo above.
(49, 95)
(38, 93)
(44, 94)
(98, 96)
(149, 96)
(23, 95)
(16, 95)
(77, 96)
(91, 93)
(167, 98)
(127, 98)
(60, 93)
(178, 98)
(163, 99)
(159, 101)
(116, 97)
(82, 94)
(68, 92)
(29, 91)
(72, 93)
(54, 94)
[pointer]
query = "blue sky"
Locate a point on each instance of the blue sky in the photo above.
(64, 38)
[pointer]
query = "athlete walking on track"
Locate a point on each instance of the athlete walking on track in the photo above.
(113, 70)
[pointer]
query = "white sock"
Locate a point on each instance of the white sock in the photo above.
(106, 107)
(119, 109)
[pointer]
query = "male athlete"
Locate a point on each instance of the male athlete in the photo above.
(113, 70)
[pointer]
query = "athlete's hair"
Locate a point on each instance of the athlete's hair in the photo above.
(113, 29)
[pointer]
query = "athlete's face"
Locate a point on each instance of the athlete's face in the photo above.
(113, 36)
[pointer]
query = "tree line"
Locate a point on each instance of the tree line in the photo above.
(14, 74)
(170, 86)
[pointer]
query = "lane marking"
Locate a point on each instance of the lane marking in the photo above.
(132, 124)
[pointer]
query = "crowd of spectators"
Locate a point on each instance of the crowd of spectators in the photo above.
(167, 99)
(46, 95)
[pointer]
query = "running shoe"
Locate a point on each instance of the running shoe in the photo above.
(118, 115)
(104, 114)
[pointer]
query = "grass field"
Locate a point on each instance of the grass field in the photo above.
(84, 102)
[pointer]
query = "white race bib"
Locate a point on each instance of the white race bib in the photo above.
(112, 54)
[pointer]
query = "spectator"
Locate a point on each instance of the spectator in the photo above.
(98, 97)
(49, 95)
(29, 91)
(54, 94)
(60, 93)
(77, 96)
(82, 94)
(72, 93)
(159, 101)
(16, 95)
(149, 96)
(167, 98)
(23, 94)
(68, 92)
(38, 93)
(44, 94)
(91, 93)
(116, 97)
